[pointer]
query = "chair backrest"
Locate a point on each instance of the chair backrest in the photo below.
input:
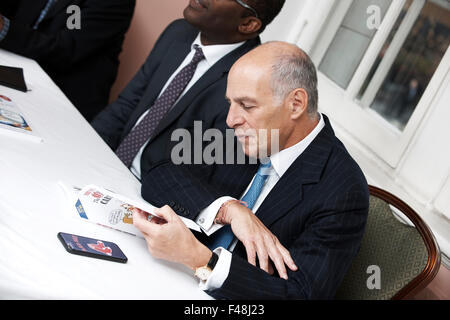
(396, 260)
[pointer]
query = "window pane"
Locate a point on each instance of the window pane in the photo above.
(385, 47)
(415, 64)
(351, 42)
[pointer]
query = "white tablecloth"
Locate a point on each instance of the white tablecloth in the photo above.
(33, 208)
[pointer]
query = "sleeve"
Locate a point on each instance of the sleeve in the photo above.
(220, 272)
(207, 216)
(102, 22)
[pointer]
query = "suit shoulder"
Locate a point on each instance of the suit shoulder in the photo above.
(344, 164)
(177, 30)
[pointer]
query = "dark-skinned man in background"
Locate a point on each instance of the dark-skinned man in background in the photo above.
(183, 81)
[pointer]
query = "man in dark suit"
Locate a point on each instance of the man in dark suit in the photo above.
(183, 80)
(80, 55)
(305, 210)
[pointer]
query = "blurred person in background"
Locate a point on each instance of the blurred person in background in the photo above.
(77, 42)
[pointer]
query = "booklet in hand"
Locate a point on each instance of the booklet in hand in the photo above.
(12, 77)
(109, 209)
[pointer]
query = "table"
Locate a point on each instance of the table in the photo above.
(33, 208)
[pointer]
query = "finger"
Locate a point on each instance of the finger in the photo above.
(287, 257)
(263, 257)
(166, 213)
(150, 246)
(251, 254)
(138, 219)
(155, 219)
(279, 265)
(142, 224)
(138, 214)
(277, 259)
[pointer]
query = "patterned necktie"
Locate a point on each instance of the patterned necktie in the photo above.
(224, 237)
(141, 133)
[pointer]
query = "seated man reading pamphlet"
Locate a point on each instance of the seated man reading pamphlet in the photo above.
(297, 227)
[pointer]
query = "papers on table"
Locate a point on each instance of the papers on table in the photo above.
(13, 122)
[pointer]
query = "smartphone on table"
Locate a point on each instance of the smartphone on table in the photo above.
(93, 248)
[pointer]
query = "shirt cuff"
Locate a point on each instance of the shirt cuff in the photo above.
(220, 272)
(207, 216)
(5, 28)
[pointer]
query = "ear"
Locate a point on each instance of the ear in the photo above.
(298, 103)
(250, 25)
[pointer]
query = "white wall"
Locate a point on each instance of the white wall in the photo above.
(284, 25)
(426, 164)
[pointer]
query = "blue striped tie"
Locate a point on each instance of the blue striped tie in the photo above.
(224, 237)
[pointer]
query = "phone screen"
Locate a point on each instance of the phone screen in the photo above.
(92, 247)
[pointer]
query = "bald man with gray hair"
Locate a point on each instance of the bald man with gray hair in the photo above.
(295, 229)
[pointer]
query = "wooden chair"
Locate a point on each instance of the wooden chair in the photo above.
(405, 252)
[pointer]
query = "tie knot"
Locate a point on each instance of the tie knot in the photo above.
(264, 169)
(198, 56)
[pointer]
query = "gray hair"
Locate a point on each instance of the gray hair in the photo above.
(292, 71)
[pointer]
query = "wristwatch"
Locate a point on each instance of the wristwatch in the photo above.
(204, 272)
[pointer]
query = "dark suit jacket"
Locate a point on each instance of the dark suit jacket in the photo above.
(317, 210)
(83, 63)
(204, 102)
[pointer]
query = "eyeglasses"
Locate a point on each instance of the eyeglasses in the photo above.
(242, 3)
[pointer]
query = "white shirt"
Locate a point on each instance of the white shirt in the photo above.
(212, 55)
(281, 162)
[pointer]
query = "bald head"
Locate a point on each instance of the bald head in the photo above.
(289, 66)
(272, 92)
(271, 50)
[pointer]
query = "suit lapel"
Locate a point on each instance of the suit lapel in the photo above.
(306, 169)
(214, 74)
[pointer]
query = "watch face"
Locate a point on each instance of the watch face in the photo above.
(203, 273)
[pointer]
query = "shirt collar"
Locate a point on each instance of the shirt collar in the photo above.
(214, 53)
(282, 160)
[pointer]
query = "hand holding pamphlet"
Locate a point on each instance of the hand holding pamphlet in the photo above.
(106, 208)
